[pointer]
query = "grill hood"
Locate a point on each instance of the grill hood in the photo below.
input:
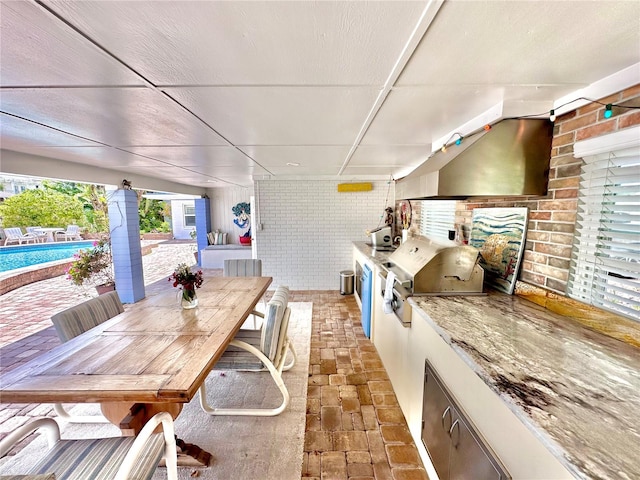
(510, 159)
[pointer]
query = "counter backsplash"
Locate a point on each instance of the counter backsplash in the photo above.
(607, 323)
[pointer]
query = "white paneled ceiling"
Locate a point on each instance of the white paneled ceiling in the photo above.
(218, 93)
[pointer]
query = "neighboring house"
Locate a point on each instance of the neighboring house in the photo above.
(183, 218)
(183, 215)
(12, 185)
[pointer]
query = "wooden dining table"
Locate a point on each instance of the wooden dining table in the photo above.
(152, 357)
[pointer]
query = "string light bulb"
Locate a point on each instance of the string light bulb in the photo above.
(552, 115)
(459, 141)
(607, 110)
(443, 149)
(487, 127)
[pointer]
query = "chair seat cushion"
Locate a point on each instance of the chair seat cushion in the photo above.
(99, 459)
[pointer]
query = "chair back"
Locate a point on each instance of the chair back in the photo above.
(34, 230)
(78, 319)
(274, 329)
(72, 229)
(242, 267)
(13, 232)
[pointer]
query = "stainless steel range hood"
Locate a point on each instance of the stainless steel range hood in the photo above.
(510, 159)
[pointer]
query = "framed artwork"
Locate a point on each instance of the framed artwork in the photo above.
(500, 235)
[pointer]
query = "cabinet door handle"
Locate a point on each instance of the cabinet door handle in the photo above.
(457, 441)
(444, 414)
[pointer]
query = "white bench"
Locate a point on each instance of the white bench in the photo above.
(214, 256)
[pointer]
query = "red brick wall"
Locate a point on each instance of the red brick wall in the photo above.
(552, 217)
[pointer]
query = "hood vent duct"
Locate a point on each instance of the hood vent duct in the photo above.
(512, 158)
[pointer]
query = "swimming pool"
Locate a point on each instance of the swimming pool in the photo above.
(20, 256)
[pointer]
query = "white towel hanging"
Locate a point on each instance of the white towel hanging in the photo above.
(388, 292)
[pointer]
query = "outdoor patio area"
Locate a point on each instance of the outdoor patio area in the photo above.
(354, 427)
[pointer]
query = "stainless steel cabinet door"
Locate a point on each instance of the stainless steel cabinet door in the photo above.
(437, 415)
(468, 459)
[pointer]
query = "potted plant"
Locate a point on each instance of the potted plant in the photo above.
(242, 211)
(93, 266)
(194, 235)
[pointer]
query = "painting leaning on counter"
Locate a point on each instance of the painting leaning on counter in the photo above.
(551, 384)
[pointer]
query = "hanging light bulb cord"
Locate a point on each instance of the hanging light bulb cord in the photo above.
(448, 142)
(552, 116)
(608, 107)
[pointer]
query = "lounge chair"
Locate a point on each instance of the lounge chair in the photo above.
(78, 319)
(71, 233)
(40, 235)
(259, 351)
(124, 458)
(15, 235)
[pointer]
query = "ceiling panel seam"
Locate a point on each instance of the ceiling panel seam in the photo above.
(147, 82)
(425, 20)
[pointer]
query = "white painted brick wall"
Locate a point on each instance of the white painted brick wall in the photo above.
(309, 228)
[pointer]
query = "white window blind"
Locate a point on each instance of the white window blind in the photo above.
(605, 266)
(189, 216)
(438, 217)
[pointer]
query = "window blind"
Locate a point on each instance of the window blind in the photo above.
(189, 215)
(605, 264)
(438, 217)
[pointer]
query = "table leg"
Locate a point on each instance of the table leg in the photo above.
(130, 419)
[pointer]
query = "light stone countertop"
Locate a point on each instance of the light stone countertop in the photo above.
(576, 389)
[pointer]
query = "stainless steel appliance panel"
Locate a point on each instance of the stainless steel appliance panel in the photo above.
(358, 281)
(455, 449)
(381, 237)
(437, 418)
(468, 460)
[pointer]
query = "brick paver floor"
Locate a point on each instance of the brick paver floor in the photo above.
(354, 430)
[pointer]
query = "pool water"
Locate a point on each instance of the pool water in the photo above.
(20, 256)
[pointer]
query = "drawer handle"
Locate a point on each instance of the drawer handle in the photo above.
(457, 441)
(444, 414)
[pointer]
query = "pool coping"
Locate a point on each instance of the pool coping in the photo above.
(13, 279)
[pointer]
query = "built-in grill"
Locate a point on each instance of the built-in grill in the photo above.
(422, 266)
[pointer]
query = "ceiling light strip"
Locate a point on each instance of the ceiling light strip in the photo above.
(425, 20)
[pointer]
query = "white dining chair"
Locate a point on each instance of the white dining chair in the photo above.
(117, 458)
(244, 267)
(259, 351)
(76, 320)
